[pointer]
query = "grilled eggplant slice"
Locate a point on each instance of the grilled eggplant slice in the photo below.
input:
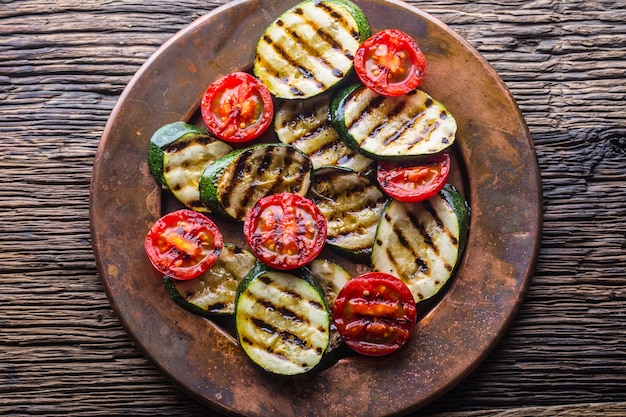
(310, 47)
(282, 320)
(178, 154)
(213, 293)
(305, 124)
(235, 182)
(410, 126)
(422, 243)
(352, 205)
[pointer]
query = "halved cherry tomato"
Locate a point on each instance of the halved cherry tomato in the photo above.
(375, 313)
(285, 231)
(414, 182)
(183, 244)
(237, 107)
(390, 63)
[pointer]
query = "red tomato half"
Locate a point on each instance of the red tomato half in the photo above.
(390, 63)
(285, 231)
(375, 313)
(415, 182)
(237, 107)
(183, 244)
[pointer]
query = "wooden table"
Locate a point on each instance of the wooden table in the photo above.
(63, 65)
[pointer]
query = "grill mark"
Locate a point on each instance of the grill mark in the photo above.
(395, 268)
(181, 144)
(345, 24)
(229, 188)
(424, 134)
(277, 153)
(331, 148)
(239, 170)
(329, 38)
(266, 161)
(421, 263)
(217, 307)
(397, 110)
(279, 50)
(360, 205)
(270, 69)
(283, 334)
(372, 106)
(406, 127)
(196, 204)
(313, 132)
(248, 164)
(284, 312)
(431, 210)
(419, 227)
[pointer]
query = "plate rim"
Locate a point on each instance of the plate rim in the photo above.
(99, 163)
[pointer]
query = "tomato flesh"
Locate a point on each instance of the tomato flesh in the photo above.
(414, 182)
(237, 107)
(183, 244)
(285, 231)
(390, 63)
(375, 313)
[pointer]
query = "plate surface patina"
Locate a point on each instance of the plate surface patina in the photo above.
(501, 180)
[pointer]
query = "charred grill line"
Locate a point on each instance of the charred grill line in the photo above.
(282, 311)
(241, 167)
(345, 25)
(285, 154)
(422, 230)
(270, 69)
(372, 106)
(284, 335)
(313, 132)
(217, 307)
(397, 110)
(328, 38)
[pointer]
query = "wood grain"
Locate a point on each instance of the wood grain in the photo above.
(63, 65)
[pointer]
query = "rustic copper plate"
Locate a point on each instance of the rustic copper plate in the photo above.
(496, 162)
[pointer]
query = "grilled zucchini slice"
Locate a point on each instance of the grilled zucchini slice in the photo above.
(352, 205)
(178, 154)
(332, 277)
(235, 182)
(282, 320)
(305, 124)
(213, 293)
(310, 47)
(410, 126)
(422, 243)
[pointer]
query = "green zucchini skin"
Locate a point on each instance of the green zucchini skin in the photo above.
(422, 243)
(213, 293)
(208, 185)
(327, 31)
(234, 183)
(163, 137)
(352, 205)
(411, 126)
(282, 320)
(306, 125)
(178, 155)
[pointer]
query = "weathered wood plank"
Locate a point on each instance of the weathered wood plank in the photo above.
(64, 64)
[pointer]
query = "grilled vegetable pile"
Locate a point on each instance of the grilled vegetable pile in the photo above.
(326, 157)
